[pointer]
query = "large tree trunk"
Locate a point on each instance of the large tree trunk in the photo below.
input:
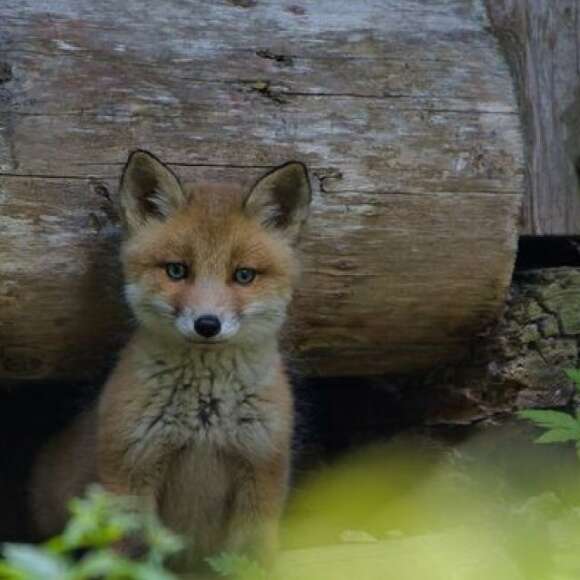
(404, 112)
(542, 41)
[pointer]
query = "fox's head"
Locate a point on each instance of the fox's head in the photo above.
(210, 264)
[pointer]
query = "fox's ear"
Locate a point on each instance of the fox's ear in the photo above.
(281, 198)
(149, 190)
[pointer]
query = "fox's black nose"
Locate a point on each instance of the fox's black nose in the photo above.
(208, 325)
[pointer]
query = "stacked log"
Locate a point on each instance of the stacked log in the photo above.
(404, 112)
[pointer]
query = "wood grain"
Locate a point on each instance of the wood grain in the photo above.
(542, 40)
(411, 132)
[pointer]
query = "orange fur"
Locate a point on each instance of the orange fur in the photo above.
(197, 427)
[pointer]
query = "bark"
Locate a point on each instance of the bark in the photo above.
(542, 41)
(521, 363)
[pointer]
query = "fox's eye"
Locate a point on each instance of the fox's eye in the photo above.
(244, 276)
(176, 270)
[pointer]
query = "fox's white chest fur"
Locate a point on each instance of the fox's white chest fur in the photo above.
(205, 400)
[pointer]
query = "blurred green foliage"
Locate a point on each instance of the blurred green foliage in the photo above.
(88, 547)
(237, 566)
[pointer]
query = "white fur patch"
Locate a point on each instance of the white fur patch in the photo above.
(133, 294)
(185, 323)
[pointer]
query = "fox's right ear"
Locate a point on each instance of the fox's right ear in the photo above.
(148, 190)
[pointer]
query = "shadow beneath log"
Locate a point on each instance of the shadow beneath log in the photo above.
(30, 414)
(547, 252)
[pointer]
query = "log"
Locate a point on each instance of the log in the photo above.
(542, 41)
(411, 133)
(520, 363)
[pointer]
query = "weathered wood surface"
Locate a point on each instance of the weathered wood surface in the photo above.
(542, 40)
(404, 112)
(521, 364)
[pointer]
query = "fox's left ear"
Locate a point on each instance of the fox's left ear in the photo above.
(281, 198)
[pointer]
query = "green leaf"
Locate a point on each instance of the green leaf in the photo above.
(105, 564)
(34, 563)
(150, 572)
(558, 436)
(108, 564)
(162, 542)
(55, 545)
(8, 572)
(574, 375)
(224, 564)
(100, 520)
(551, 419)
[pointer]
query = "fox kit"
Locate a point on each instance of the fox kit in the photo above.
(196, 418)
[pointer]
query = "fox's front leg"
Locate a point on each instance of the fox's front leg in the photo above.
(138, 489)
(257, 508)
(129, 464)
(143, 502)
